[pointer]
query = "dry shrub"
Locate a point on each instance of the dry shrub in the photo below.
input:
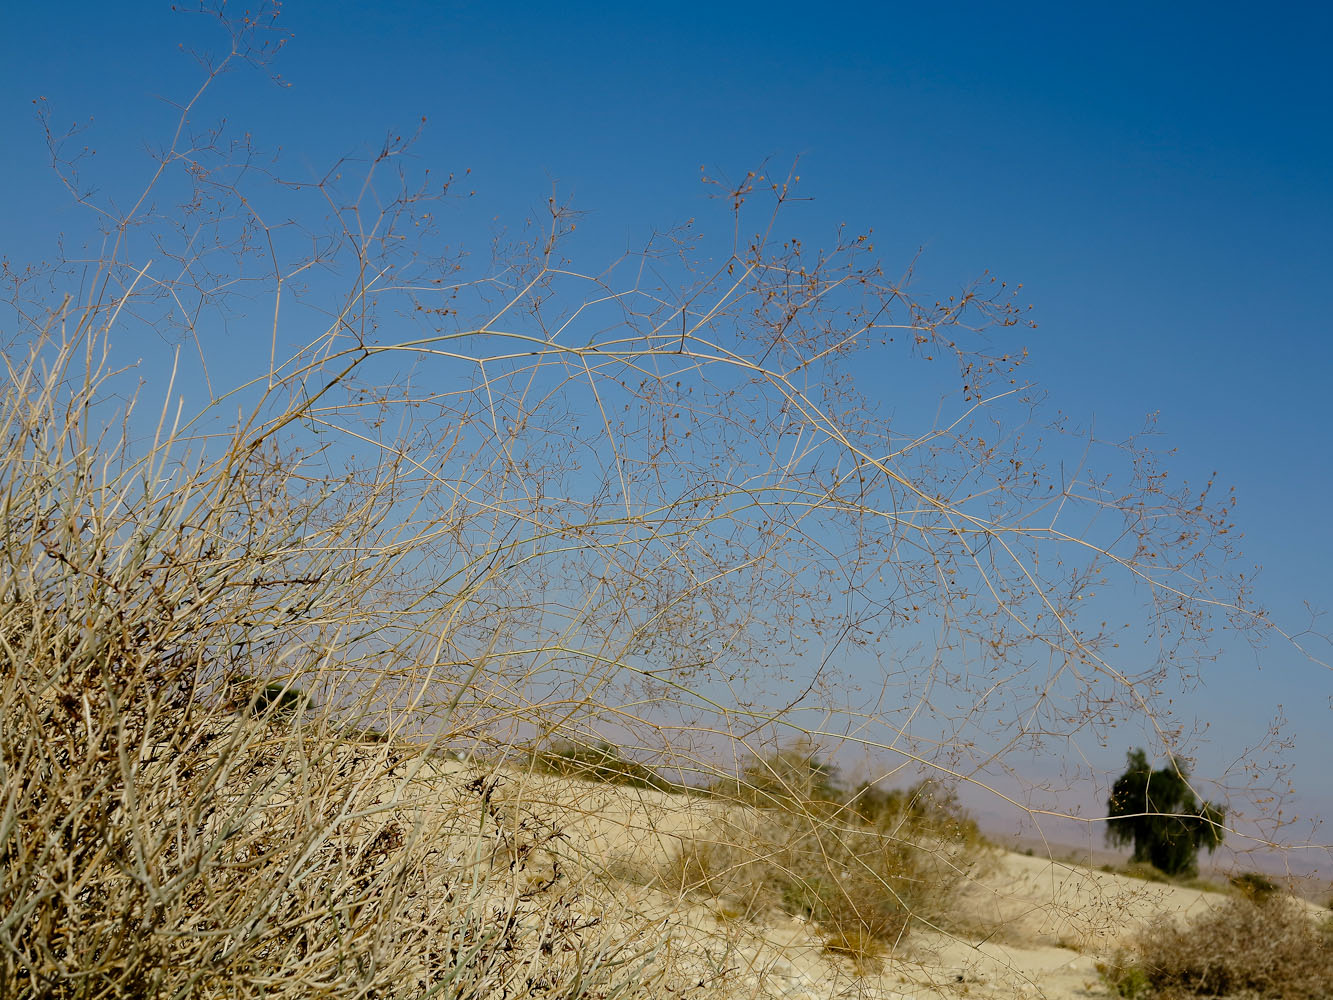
(713, 868)
(173, 824)
(1249, 946)
(862, 883)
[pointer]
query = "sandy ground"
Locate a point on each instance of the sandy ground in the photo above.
(1041, 925)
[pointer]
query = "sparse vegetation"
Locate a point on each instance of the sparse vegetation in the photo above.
(1265, 947)
(928, 807)
(1254, 885)
(1139, 870)
(1146, 872)
(789, 776)
(600, 761)
(862, 867)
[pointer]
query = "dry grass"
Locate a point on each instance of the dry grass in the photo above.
(171, 825)
(863, 878)
(1258, 946)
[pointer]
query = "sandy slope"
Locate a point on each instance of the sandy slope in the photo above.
(1046, 923)
(1041, 926)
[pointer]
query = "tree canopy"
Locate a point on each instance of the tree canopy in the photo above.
(1158, 813)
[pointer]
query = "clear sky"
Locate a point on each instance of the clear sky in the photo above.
(1160, 178)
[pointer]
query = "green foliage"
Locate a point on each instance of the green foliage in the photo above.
(1254, 885)
(784, 778)
(928, 806)
(1128, 981)
(261, 699)
(600, 761)
(1158, 813)
(279, 700)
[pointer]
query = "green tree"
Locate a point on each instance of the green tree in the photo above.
(1159, 814)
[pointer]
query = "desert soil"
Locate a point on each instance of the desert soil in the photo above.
(1041, 925)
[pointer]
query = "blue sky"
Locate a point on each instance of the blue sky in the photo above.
(1159, 177)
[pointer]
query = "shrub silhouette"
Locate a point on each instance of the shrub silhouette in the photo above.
(790, 775)
(600, 761)
(278, 700)
(1158, 813)
(1254, 885)
(928, 805)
